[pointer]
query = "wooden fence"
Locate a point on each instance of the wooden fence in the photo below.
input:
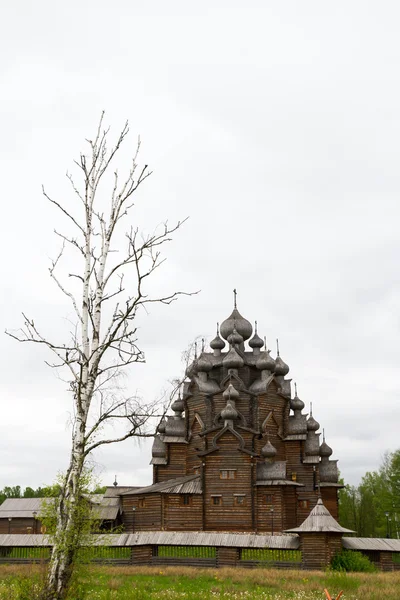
(214, 550)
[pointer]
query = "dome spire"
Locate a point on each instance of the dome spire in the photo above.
(281, 368)
(236, 321)
(256, 342)
(217, 344)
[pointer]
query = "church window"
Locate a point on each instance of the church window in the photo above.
(141, 503)
(240, 500)
(304, 504)
(227, 474)
(269, 499)
(216, 500)
(186, 500)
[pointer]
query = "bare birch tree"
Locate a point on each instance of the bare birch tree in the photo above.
(111, 290)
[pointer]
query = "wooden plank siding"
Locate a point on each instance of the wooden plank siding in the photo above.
(142, 555)
(20, 526)
(228, 457)
(145, 517)
(176, 466)
(330, 499)
(180, 517)
(227, 557)
(268, 498)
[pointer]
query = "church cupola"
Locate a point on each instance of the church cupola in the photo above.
(229, 414)
(204, 364)
(297, 424)
(265, 362)
(235, 339)
(236, 321)
(159, 449)
(233, 360)
(217, 344)
(328, 471)
(268, 451)
(312, 424)
(161, 426)
(281, 368)
(178, 407)
(311, 446)
(256, 342)
(230, 393)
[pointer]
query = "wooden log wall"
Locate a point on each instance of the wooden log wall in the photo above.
(318, 549)
(218, 517)
(20, 526)
(142, 555)
(176, 466)
(269, 497)
(313, 546)
(330, 499)
(386, 561)
(293, 457)
(181, 517)
(290, 519)
(227, 557)
(196, 445)
(146, 517)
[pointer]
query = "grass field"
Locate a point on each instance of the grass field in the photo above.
(22, 582)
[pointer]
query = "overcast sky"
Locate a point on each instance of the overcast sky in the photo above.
(275, 126)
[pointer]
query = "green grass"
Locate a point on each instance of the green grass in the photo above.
(23, 582)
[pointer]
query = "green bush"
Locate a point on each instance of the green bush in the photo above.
(350, 560)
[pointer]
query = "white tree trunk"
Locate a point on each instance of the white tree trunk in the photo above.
(91, 358)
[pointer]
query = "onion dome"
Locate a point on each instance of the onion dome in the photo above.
(265, 362)
(236, 321)
(191, 369)
(256, 341)
(235, 339)
(217, 343)
(204, 363)
(178, 405)
(161, 426)
(312, 424)
(325, 450)
(268, 451)
(296, 403)
(229, 413)
(232, 360)
(281, 368)
(159, 449)
(231, 393)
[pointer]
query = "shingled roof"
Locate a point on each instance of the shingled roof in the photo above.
(320, 520)
(189, 484)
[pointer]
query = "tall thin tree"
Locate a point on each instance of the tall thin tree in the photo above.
(111, 290)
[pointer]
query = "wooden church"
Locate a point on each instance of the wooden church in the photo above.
(238, 454)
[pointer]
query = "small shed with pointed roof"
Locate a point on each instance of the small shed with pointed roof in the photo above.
(320, 537)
